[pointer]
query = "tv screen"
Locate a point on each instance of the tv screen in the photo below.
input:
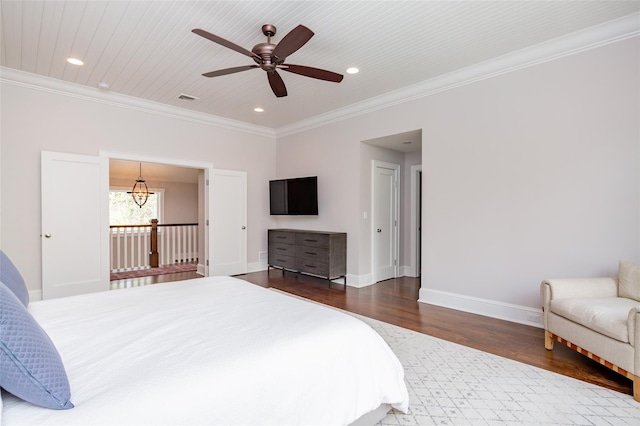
(294, 196)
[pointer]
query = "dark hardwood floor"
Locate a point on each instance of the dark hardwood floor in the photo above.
(395, 301)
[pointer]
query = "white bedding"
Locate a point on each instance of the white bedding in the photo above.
(212, 350)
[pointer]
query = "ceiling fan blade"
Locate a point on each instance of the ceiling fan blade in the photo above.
(226, 43)
(277, 85)
(226, 71)
(312, 72)
(294, 40)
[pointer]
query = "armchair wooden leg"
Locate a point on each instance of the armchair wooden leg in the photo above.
(548, 340)
(636, 388)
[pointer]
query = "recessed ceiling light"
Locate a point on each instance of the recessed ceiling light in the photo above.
(104, 86)
(353, 70)
(75, 61)
(258, 109)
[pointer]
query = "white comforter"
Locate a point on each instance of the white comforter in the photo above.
(213, 350)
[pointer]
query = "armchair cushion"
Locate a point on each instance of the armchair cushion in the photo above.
(629, 280)
(608, 316)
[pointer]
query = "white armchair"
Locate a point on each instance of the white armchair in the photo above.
(599, 318)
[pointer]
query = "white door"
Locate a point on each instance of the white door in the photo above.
(229, 222)
(385, 220)
(75, 224)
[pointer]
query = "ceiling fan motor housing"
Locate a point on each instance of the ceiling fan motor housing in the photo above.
(267, 62)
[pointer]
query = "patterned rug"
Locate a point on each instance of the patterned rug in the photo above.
(451, 384)
(146, 272)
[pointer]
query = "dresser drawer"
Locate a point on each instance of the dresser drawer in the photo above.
(282, 237)
(282, 249)
(312, 240)
(282, 261)
(313, 253)
(311, 266)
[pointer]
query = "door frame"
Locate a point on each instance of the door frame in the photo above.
(414, 248)
(208, 199)
(375, 164)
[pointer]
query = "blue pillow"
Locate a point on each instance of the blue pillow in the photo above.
(10, 276)
(30, 364)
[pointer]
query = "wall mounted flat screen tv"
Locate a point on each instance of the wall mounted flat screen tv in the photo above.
(297, 196)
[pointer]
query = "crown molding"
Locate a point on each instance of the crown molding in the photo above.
(73, 90)
(600, 35)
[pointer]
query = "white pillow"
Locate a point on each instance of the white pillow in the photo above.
(629, 280)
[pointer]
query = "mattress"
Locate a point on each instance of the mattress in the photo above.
(214, 350)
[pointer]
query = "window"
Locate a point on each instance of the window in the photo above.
(124, 211)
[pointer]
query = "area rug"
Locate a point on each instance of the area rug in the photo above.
(146, 272)
(451, 384)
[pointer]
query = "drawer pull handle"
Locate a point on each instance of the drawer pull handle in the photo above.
(310, 266)
(280, 248)
(280, 260)
(311, 241)
(281, 237)
(311, 253)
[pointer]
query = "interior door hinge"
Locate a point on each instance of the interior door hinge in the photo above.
(207, 222)
(207, 262)
(207, 182)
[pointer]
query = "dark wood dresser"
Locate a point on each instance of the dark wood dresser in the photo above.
(319, 253)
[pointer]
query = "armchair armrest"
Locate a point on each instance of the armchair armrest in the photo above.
(633, 322)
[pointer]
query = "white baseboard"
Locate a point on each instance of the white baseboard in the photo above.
(485, 307)
(407, 271)
(200, 269)
(256, 267)
(35, 295)
(359, 281)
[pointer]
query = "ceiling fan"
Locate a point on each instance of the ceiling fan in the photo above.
(271, 57)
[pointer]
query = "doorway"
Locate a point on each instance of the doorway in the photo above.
(204, 171)
(404, 149)
(415, 230)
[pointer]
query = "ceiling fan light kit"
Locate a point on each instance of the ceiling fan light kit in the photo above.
(271, 57)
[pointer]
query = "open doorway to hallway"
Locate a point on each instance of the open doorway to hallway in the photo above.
(405, 150)
(162, 236)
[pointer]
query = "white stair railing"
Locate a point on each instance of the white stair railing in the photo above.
(131, 245)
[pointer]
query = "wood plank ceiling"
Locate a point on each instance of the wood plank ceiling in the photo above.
(145, 49)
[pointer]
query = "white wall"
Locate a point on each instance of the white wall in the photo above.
(526, 175)
(33, 120)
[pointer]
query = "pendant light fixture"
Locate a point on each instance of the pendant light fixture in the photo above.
(140, 191)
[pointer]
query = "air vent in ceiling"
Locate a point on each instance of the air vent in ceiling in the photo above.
(187, 98)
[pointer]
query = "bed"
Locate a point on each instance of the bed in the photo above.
(214, 350)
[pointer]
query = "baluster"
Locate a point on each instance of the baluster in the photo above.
(133, 252)
(183, 245)
(118, 249)
(173, 244)
(125, 247)
(111, 247)
(189, 246)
